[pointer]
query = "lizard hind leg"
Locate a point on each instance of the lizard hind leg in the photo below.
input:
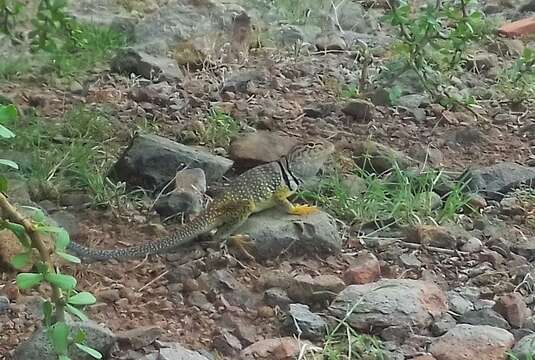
(235, 217)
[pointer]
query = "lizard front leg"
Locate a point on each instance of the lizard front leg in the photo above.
(281, 197)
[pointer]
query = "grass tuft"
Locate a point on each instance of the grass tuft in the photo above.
(67, 154)
(402, 195)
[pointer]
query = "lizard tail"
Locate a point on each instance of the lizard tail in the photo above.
(185, 234)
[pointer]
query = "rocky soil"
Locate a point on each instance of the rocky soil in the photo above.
(457, 290)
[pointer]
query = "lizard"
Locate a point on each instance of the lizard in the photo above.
(259, 188)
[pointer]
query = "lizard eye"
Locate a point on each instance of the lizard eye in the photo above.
(311, 145)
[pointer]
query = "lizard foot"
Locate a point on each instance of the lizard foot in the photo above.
(303, 210)
(242, 242)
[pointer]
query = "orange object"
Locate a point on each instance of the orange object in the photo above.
(518, 28)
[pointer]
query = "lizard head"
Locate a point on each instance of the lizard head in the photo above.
(307, 158)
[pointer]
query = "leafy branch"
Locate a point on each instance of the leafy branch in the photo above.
(31, 234)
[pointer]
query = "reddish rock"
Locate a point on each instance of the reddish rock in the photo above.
(439, 236)
(390, 302)
(513, 308)
(424, 357)
(259, 147)
(285, 348)
(469, 342)
(365, 270)
(518, 28)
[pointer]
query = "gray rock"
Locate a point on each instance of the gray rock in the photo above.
(484, 317)
(275, 232)
(378, 158)
(359, 109)
(330, 40)
(412, 101)
(151, 161)
(226, 343)
(441, 326)
(390, 303)
(319, 110)
(277, 297)
(459, 304)
(159, 93)
(178, 203)
(396, 334)
(472, 245)
(68, 221)
(429, 200)
(410, 260)
(4, 304)
(140, 337)
(157, 68)
(302, 321)
(355, 185)
(497, 180)
(525, 348)
(38, 345)
(352, 16)
(198, 299)
(178, 21)
(238, 82)
(176, 351)
(475, 342)
(482, 62)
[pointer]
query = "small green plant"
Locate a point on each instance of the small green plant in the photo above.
(89, 45)
(343, 342)
(349, 92)
(512, 356)
(433, 42)
(52, 26)
(220, 128)
(299, 12)
(30, 232)
(517, 82)
(13, 67)
(8, 12)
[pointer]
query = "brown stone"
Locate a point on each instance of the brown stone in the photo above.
(260, 147)
(518, 28)
(472, 342)
(513, 308)
(280, 349)
(365, 270)
(438, 236)
(424, 357)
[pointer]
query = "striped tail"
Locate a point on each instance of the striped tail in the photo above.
(186, 233)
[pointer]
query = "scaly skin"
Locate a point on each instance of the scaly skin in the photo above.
(255, 190)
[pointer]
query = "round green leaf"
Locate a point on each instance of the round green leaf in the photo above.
(94, 353)
(68, 257)
(76, 312)
(9, 163)
(28, 280)
(38, 214)
(7, 113)
(64, 282)
(59, 334)
(20, 260)
(3, 184)
(6, 133)
(83, 298)
(20, 233)
(62, 239)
